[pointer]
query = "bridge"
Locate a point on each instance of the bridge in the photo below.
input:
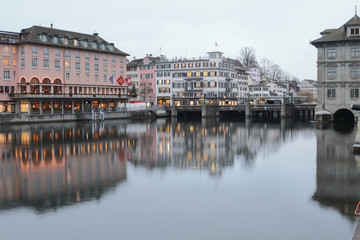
(286, 110)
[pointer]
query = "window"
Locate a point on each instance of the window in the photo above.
(213, 64)
(55, 39)
(67, 54)
(87, 56)
(46, 52)
(34, 51)
(354, 72)
(67, 76)
(331, 53)
(113, 61)
(96, 57)
(354, 93)
(46, 63)
(22, 51)
(105, 78)
(331, 93)
(96, 67)
(96, 77)
(78, 76)
(6, 75)
(205, 64)
(77, 66)
(190, 65)
(57, 53)
(87, 67)
(57, 64)
(121, 60)
(176, 65)
(23, 63)
(105, 68)
(77, 55)
(67, 65)
(331, 73)
(34, 63)
(105, 58)
(6, 62)
(354, 31)
(76, 42)
(212, 74)
(354, 52)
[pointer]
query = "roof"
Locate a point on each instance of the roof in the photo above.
(338, 35)
(140, 61)
(32, 35)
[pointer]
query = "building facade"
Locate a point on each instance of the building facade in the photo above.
(52, 71)
(338, 65)
(143, 76)
(308, 85)
(215, 79)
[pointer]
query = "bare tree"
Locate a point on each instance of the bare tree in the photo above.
(248, 57)
(309, 96)
(265, 66)
(275, 72)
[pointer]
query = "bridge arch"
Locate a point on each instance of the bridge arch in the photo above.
(343, 115)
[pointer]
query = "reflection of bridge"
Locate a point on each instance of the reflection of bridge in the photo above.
(287, 110)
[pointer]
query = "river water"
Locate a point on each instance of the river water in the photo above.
(178, 179)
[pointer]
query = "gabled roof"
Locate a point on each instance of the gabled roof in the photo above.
(338, 35)
(31, 35)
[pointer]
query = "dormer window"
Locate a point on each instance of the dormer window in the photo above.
(354, 31)
(55, 39)
(66, 41)
(76, 42)
(42, 37)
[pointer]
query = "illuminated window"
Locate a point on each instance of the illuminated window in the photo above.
(213, 64)
(24, 106)
(176, 65)
(212, 84)
(198, 74)
(190, 65)
(205, 74)
(6, 62)
(76, 42)
(189, 74)
(212, 74)
(183, 65)
(67, 65)
(205, 64)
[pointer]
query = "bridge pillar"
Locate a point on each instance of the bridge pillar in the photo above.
(287, 110)
(209, 111)
(248, 110)
(173, 111)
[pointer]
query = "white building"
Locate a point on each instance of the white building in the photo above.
(277, 88)
(192, 82)
(308, 85)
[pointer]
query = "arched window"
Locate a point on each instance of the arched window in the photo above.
(57, 86)
(46, 88)
(34, 85)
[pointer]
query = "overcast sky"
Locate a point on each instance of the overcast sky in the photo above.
(279, 30)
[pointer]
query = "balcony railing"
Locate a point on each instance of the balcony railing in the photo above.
(68, 95)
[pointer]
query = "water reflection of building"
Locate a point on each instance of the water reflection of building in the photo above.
(337, 173)
(52, 166)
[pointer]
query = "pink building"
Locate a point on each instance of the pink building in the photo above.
(49, 71)
(144, 70)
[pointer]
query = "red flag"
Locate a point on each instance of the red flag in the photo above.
(128, 81)
(120, 80)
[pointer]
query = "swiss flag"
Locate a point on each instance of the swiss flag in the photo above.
(128, 81)
(120, 80)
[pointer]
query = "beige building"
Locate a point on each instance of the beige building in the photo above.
(338, 65)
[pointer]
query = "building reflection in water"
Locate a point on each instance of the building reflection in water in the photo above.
(49, 166)
(209, 144)
(337, 172)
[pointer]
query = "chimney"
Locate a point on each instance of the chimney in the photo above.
(95, 34)
(51, 25)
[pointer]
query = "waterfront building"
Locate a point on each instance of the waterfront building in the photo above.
(49, 71)
(338, 71)
(260, 90)
(308, 85)
(214, 79)
(277, 88)
(142, 72)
